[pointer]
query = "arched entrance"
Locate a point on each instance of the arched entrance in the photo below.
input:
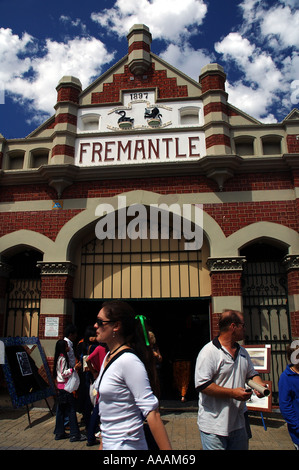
(265, 303)
(161, 280)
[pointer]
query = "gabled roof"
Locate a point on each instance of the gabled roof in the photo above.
(292, 116)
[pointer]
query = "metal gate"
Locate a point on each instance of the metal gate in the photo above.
(23, 307)
(266, 312)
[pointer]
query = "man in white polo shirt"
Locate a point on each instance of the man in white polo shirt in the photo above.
(221, 371)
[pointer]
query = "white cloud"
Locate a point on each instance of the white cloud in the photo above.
(34, 77)
(264, 50)
(261, 78)
(283, 23)
(11, 47)
(186, 59)
(77, 23)
(170, 20)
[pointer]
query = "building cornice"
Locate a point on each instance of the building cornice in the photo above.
(217, 167)
(55, 268)
(291, 262)
(226, 264)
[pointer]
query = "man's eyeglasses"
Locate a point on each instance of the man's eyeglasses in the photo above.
(100, 322)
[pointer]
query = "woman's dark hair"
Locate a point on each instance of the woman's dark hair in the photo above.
(60, 348)
(132, 331)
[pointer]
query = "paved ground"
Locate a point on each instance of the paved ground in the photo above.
(16, 434)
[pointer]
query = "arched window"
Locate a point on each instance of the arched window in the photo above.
(189, 116)
(271, 145)
(244, 145)
(39, 157)
(15, 160)
(90, 122)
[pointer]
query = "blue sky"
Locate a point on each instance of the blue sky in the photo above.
(256, 42)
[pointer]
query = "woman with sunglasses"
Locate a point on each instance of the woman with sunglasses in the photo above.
(127, 381)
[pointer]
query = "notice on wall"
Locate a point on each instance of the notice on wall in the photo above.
(51, 327)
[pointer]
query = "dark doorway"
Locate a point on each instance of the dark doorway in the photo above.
(181, 327)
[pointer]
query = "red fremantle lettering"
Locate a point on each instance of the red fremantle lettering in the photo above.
(96, 151)
(125, 148)
(177, 155)
(167, 140)
(82, 151)
(108, 150)
(193, 146)
(155, 149)
(141, 149)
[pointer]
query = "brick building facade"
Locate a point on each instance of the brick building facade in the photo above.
(104, 142)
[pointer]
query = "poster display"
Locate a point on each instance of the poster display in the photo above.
(26, 371)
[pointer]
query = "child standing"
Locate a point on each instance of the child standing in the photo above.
(66, 402)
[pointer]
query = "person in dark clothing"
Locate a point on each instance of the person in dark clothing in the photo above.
(289, 393)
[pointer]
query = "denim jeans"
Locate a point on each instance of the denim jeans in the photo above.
(66, 408)
(236, 440)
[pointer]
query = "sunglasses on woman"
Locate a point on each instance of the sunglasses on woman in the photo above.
(100, 322)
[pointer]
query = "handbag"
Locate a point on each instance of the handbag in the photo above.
(73, 382)
(93, 393)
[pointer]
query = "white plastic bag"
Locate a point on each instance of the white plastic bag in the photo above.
(93, 394)
(72, 383)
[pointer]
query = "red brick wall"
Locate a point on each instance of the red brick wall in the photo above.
(217, 139)
(230, 216)
(212, 82)
(295, 324)
(226, 283)
(137, 45)
(233, 216)
(167, 87)
(293, 143)
(66, 117)
(57, 287)
(68, 94)
(293, 281)
(164, 185)
(63, 150)
(46, 222)
(214, 324)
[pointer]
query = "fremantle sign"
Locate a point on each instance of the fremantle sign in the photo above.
(139, 149)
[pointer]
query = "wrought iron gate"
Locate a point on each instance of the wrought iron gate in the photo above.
(266, 312)
(23, 307)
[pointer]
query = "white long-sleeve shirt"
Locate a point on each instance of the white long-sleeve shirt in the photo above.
(63, 372)
(126, 398)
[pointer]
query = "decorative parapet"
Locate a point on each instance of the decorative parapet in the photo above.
(61, 268)
(226, 264)
(291, 262)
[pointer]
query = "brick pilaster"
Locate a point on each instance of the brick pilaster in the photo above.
(226, 287)
(65, 125)
(56, 294)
